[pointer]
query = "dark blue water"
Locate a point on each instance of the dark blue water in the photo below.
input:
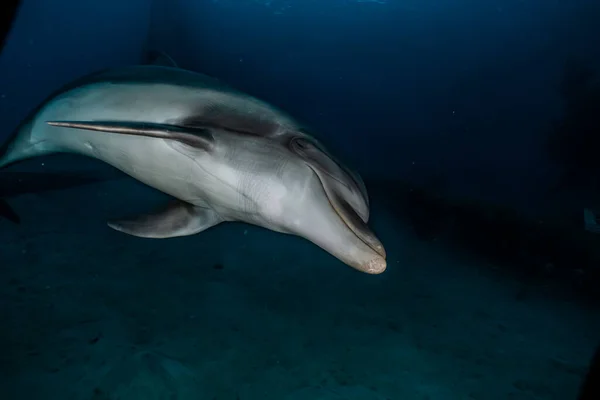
(475, 127)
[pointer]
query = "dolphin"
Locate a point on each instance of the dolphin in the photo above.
(221, 154)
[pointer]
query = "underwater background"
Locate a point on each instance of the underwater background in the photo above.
(476, 127)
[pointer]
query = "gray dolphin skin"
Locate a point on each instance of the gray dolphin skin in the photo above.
(221, 154)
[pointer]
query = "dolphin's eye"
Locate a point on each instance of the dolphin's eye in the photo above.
(301, 144)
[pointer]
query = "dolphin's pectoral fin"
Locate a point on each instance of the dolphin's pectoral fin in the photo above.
(178, 218)
(200, 138)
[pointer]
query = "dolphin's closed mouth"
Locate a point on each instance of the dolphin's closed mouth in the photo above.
(357, 225)
(332, 176)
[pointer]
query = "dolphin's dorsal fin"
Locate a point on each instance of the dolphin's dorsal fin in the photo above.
(160, 58)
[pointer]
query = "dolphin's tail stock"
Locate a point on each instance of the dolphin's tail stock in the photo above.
(19, 147)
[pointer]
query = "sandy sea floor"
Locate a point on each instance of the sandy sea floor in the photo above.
(241, 313)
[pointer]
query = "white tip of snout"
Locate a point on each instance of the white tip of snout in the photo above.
(375, 266)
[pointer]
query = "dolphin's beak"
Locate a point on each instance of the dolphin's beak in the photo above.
(349, 237)
(346, 193)
(356, 244)
(374, 266)
(372, 255)
(354, 222)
